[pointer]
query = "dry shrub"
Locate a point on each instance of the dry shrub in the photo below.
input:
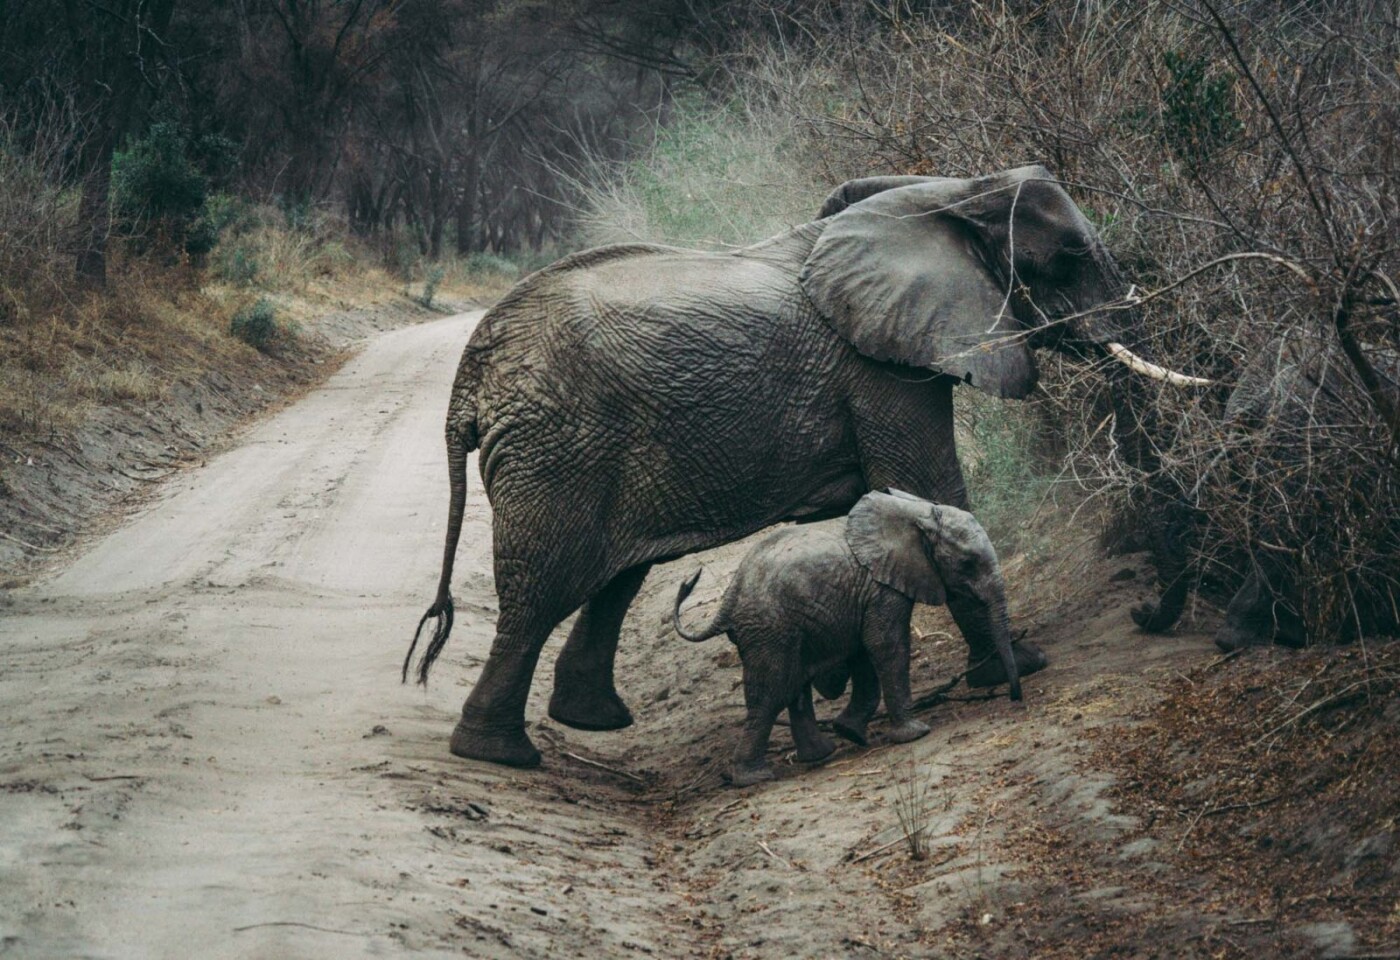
(1277, 776)
(1244, 170)
(38, 219)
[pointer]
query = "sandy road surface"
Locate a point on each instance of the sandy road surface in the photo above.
(189, 763)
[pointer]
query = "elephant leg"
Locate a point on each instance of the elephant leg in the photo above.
(813, 746)
(1168, 540)
(584, 696)
(886, 638)
(865, 699)
(766, 692)
(907, 441)
(1258, 616)
(492, 725)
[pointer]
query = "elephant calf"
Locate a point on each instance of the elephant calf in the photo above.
(818, 601)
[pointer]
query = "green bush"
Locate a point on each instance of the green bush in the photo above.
(238, 264)
(1198, 111)
(257, 325)
(430, 285)
(1005, 479)
(155, 180)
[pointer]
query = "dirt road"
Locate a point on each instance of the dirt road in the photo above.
(205, 741)
(206, 750)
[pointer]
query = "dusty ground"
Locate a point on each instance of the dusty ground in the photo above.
(206, 751)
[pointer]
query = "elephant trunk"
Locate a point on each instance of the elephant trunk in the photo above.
(715, 626)
(1007, 655)
(442, 608)
(986, 625)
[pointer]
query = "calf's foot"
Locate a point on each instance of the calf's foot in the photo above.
(852, 730)
(1029, 659)
(816, 750)
(908, 730)
(748, 774)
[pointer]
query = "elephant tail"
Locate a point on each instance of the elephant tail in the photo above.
(459, 444)
(715, 626)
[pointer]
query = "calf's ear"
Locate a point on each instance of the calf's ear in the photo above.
(883, 534)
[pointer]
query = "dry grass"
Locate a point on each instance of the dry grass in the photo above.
(160, 320)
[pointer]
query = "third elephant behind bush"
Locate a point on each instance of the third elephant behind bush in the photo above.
(1286, 482)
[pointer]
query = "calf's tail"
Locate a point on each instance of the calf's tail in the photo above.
(715, 626)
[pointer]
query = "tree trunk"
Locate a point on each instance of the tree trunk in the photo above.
(95, 213)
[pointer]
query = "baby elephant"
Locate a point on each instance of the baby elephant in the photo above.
(827, 600)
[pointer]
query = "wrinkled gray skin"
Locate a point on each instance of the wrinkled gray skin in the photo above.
(818, 601)
(1292, 394)
(636, 403)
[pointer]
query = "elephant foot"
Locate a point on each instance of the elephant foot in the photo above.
(816, 750)
(851, 730)
(1231, 639)
(584, 706)
(1029, 659)
(1150, 618)
(748, 774)
(476, 740)
(908, 730)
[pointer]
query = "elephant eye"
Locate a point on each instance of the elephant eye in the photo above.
(1063, 265)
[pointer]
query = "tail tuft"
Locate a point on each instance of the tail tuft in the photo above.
(442, 628)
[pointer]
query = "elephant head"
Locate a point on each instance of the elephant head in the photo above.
(929, 552)
(965, 277)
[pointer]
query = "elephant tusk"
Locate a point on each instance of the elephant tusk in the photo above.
(1133, 362)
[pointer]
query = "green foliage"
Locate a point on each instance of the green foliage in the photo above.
(257, 325)
(1005, 480)
(298, 211)
(155, 180)
(238, 264)
(401, 257)
(713, 176)
(430, 285)
(483, 264)
(160, 180)
(1198, 111)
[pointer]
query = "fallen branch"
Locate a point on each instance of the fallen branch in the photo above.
(765, 848)
(881, 849)
(603, 766)
(31, 546)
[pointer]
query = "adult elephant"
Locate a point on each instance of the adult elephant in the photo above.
(636, 403)
(1293, 423)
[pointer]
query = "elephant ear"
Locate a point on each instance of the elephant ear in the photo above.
(883, 533)
(912, 275)
(854, 191)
